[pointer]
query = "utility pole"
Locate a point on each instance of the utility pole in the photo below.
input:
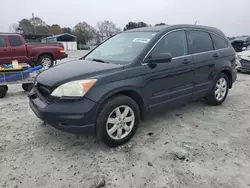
(33, 21)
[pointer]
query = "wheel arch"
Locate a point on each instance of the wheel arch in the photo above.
(130, 92)
(228, 73)
(46, 53)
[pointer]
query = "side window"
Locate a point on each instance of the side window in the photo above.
(14, 41)
(174, 43)
(201, 41)
(2, 42)
(219, 43)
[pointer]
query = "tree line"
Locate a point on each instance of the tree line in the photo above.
(84, 32)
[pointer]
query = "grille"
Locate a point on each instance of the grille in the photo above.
(245, 63)
(45, 92)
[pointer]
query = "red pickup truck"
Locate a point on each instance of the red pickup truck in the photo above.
(13, 47)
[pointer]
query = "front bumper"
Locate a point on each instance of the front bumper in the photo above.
(243, 65)
(75, 116)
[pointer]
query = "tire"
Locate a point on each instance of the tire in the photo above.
(46, 61)
(107, 111)
(3, 91)
(27, 87)
(6, 87)
(217, 99)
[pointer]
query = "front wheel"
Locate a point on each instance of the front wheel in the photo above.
(220, 90)
(118, 120)
(27, 87)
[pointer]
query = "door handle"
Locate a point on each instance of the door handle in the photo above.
(5, 50)
(13, 50)
(186, 61)
(216, 55)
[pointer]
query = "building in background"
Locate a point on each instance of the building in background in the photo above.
(69, 41)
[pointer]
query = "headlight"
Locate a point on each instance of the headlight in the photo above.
(76, 88)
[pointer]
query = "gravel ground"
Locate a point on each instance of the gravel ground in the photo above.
(190, 146)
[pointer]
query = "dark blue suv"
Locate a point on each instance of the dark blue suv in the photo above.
(132, 74)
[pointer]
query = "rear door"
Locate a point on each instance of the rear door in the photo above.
(5, 57)
(171, 82)
(205, 59)
(18, 49)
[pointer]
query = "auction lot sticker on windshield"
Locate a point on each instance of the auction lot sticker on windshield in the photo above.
(142, 40)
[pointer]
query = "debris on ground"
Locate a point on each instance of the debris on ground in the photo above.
(150, 134)
(150, 164)
(180, 154)
(99, 182)
(179, 115)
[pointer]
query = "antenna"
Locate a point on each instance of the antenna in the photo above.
(195, 23)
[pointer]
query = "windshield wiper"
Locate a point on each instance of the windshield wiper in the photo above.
(99, 60)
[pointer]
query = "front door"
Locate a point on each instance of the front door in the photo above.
(5, 56)
(18, 49)
(171, 82)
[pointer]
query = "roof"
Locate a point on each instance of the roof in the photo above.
(172, 27)
(60, 35)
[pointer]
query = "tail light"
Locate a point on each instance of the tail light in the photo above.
(61, 49)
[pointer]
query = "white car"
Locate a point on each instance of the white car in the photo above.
(243, 61)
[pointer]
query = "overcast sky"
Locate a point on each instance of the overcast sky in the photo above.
(231, 16)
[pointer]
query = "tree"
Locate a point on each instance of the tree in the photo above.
(67, 30)
(160, 24)
(132, 25)
(25, 27)
(107, 29)
(84, 32)
(55, 29)
(40, 27)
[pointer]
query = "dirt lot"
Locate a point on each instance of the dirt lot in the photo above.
(191, 146)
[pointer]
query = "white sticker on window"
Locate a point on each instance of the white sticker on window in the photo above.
(142, 40)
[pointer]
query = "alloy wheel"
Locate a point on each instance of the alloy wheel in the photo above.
(221, 89)
(120, 122)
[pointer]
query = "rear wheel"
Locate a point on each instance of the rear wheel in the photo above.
(220, 90)
(27, 87)
(3, 91)
(118, 120)
(46, 61)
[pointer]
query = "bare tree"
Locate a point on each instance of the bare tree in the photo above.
(107, 29)
(13, 28)
(84, 32)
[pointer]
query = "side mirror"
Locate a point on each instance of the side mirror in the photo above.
(160, 58)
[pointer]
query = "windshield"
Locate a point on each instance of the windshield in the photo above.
(122, 48)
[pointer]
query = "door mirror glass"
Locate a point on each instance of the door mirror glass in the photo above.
(160, 58)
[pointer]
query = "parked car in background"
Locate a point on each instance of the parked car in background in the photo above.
(133, 74)
(13, 47)
(243, 62)
(239, 44)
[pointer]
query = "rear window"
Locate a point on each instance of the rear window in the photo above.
(219, 43)
(201, 42)
(15, 41)
(2, 42)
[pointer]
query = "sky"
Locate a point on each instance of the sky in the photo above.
(231, 16)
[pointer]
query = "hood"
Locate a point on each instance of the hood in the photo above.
(75, 70)
(245, 55)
